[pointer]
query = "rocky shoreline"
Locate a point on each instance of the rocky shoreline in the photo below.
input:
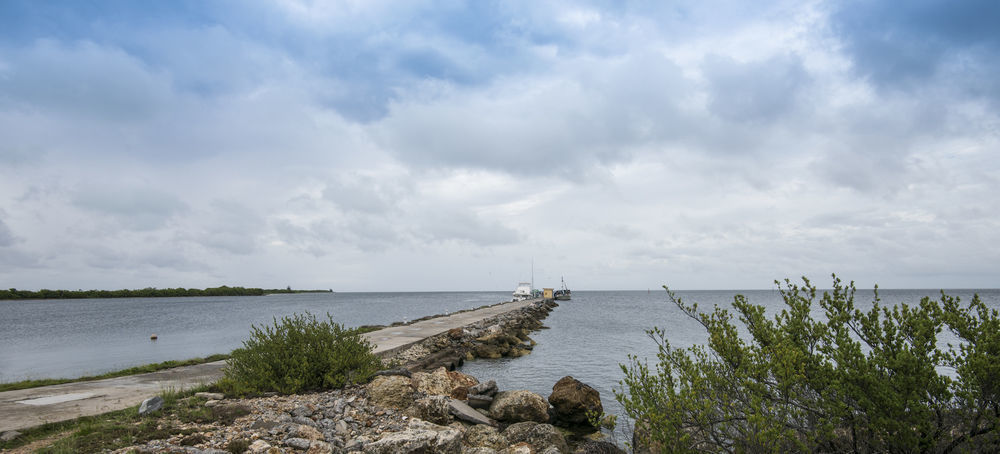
(421, 405)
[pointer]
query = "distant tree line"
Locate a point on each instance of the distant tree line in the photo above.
(148, 292)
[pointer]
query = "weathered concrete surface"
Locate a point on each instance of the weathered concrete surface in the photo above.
(31, 407)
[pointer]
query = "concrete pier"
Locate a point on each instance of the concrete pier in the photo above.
(32, 407)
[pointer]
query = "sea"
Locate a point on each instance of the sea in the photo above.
(588, 337)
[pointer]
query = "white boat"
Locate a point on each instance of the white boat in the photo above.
(562, 294)
(522, 292)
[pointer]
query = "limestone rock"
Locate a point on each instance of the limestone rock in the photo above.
(307, 432)
(572, 399)
(434, 383)
(434, 409)
(9, 435)
(520, 405)
(484, 436)
(420, 437)
(259, 446)
(298, 443)
(209, 396)
(319, 447)
(479, 450)
(392, 391)
(468, 414)
(150, 405)
(463, 380)
(487, 389)
(541, 436)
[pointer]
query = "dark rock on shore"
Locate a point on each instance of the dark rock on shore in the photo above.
(572, 400)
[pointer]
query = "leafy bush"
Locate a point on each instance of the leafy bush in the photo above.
(852, 381)
(299, 353)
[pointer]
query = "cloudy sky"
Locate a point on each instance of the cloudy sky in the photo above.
(444, 145)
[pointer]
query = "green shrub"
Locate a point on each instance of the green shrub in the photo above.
(299, 353)
(851, 381)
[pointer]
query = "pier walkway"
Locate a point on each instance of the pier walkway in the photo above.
(32, 407)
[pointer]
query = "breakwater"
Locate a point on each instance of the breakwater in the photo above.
(418, 406)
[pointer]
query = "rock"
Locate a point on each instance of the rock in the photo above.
(259, 446)
(484, 436)
(520, 405)
(319, 447)
(302, 410)
(460, 393)
(479, 401)
(420, 437)
(468, 414)
(209, 396)
(519, 448)
(455, 333)
(212, 403)
(150, 405)
(298, 443)
(572, 399)
(488, 389)
(479, 450)
(391, 391)
(488, 351)
(435, 383)
(598, 447)
(307, 432)
(355, 444)
(9, 435)
(264, 424)
(541, 436)
(390, 372)
(341, 428)
(434, 409)
(459, 379)
(303, 420)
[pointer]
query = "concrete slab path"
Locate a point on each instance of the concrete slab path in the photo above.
(32, 407)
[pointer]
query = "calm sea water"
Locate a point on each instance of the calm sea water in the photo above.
(587, 338)
(73, 338)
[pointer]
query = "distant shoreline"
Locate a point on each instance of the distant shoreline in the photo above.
(150, 292)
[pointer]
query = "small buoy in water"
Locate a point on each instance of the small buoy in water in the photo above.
(152, 337)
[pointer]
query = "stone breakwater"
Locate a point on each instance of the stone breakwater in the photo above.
(420, 405)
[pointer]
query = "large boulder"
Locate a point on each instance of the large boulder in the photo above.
(572, 400)
(420, 436)
(541, 436)
(434, 409)
(518, 406)
(150, 405)
(484, 436)
(435, 383)
(392, 391)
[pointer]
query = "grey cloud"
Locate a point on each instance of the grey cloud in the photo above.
(756, 91)
(83, 80)
(231, 227)
(137, 208)
(906, 45)
(460, 225)
(581, 117)
(7, 237)
(363, 194)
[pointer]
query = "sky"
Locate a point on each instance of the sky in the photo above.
(458, 145)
